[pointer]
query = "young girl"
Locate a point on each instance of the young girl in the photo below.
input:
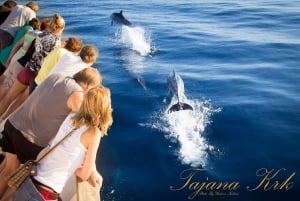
(76, 154)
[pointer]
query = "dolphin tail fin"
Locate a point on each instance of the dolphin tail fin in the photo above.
(180, 106)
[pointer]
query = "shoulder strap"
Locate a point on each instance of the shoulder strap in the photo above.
(52, 148)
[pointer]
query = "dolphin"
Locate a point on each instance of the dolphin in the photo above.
(176, 87)
(141, 81)
(118, 18)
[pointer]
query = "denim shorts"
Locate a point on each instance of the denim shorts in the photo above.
(27, 191)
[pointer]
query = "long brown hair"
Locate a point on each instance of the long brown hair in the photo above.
(95, 110)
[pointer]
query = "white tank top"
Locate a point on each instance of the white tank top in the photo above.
(54, 170)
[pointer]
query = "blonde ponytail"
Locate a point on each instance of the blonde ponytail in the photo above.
(57, 22)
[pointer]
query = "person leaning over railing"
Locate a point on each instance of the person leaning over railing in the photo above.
(19, 16)
(76, 154)
(31, 127)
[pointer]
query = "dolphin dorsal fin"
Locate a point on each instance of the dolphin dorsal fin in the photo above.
(121, 12)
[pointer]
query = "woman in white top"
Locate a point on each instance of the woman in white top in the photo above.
(76, 154)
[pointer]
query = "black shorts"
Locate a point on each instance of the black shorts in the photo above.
(2, 68)
(14, 142)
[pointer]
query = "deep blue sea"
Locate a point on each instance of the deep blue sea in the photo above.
(240, 63)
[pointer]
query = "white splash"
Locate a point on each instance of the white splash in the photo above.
(136, 39)
(186, 129)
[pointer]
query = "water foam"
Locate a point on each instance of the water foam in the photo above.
(136, 39)
(186, 129)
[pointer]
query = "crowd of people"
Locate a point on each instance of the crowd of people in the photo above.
(48, 89)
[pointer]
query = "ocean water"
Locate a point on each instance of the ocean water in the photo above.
(240, 63)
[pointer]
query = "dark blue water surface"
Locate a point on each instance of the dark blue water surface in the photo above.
(240, 62)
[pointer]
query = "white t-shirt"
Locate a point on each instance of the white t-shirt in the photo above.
(69, 64)
(18, 17)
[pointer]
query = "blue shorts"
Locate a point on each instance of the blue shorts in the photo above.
(27, 191)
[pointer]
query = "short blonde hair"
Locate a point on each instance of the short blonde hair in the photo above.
(89, 76)
(89, 54)
(33, 5)
(95, 110)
